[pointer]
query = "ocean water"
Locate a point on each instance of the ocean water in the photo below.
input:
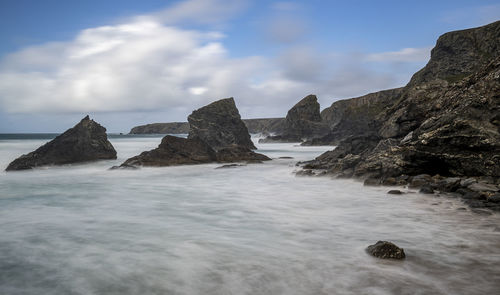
(257, 229)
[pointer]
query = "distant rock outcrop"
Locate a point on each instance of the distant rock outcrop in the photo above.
(219, 124)
(265, 125)
(162, 128)
(303, 121)
(446, 121)
(216, 134)
(86, 141)
(262, 125)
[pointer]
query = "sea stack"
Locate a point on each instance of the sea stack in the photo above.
(303, 121)
(216, 134)
(219, 124)
(86, 141)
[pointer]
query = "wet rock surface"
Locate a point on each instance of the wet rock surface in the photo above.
(86, 141)
(386, 250)
(216, 134)
(444, 122)
(175, 151)
(219, 124)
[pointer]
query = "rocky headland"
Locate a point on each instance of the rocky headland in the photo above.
(441, 132)
(86, 141)
(261, 125)
(216, 134)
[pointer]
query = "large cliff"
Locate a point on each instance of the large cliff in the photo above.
(445, 121)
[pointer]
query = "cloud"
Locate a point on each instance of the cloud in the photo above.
(403, 55)
(149, 65)
(200, 11)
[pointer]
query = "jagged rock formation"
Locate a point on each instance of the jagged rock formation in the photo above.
(175, 151)
(219, 124)
(355, 116)
(446, 121)
(86, 141)
(216, 134)
(262, 125)
(162, 128)
(303, 121)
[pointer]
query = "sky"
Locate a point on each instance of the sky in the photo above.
(128, 62)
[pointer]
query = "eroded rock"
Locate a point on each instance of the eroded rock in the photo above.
(86, 141)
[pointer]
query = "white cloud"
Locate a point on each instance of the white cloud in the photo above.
(403, 55)
(147, 65)
(200, 11)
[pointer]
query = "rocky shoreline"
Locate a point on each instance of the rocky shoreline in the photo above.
(440, 133)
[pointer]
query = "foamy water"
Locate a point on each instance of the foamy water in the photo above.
(257, 229)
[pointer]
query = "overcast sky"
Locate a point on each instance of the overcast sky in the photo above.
(128, 62)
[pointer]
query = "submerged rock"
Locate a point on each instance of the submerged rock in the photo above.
(219, 125)
(86, 141)
(395, 192)
(386, 250)
(230, 166)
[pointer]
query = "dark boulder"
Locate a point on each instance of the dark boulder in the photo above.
(219, 125)
(386, 250)
(395, 192)
(426, 189)
(175, 151)
(86, 141)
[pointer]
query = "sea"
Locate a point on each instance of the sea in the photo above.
(254, 229)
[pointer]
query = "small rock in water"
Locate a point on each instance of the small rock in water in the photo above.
(285, 158)
(305, 172)
(124, 167)
(386, 250)
(395, 192)
(426, 189)
(229, 166)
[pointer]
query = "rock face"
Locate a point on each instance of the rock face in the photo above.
(86, 141)
(435, 124)
(175, 151)
(162, 128)
(216, 134)
(303, 121)
(263, 125)
(219, 124)
(358, 116)
(386, 250)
